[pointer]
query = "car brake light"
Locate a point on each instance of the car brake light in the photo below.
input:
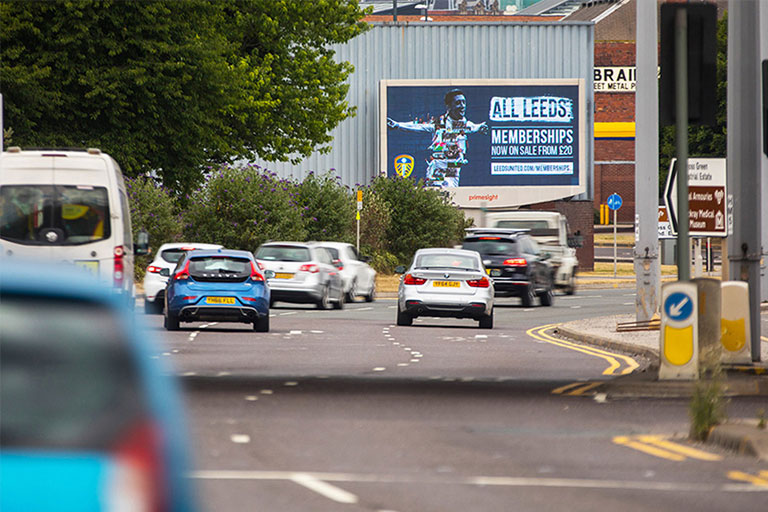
(409, 279)
(153, 269)
(139, 481)
(182, 274)
(515, 262)
(338, 264)
(255, 275)
(250, 299)
(119, 267)
(261, 266)
(488, 238)
(479, 283)
(311, 268)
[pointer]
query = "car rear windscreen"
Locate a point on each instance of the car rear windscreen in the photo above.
(440, 261)
(491, 246)
(172, 255)
(54, 214)
(67, 377)
(522, 224)
(283, 253)
(219, 265)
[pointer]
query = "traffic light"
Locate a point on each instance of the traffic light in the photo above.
(702, 62)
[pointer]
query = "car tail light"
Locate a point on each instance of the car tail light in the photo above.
(488, 238)
(255, 274)
(189, 297)
(483, 282)
(409, 279)
(182, 274)
(119, 266)
(515, 262)
(261, 266)
(139, 482)
(311, 268)
(250, 299)
(338, 264)
(153, 269)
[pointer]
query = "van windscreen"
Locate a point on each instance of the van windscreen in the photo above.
(54, 214)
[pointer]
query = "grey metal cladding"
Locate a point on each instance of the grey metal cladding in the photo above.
(443, 51)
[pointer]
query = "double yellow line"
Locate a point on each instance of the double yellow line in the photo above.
(658, 446)
(761, 479)
(617, 364)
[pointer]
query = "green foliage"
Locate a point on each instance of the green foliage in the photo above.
(419, 217)
(331, 205)
(154, 209)
(241, 208)
(703, 141)
(707, 407)
(171, 86)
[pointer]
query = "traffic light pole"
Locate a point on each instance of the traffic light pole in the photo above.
(681, 130)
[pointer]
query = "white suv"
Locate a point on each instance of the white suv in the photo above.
(358, 277)
(158, 271)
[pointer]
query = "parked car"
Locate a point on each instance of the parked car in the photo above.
(222, 285)
(357, 275)
(303, 273)
(158, 272)
(516, 265)
(445, 283)
(90, 419)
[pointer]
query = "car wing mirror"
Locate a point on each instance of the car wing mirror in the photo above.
(400, 269)
(575, 241)
(165, 272)
(269, 274)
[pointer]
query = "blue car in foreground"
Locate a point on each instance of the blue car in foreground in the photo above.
(222, 285)
(89, 420)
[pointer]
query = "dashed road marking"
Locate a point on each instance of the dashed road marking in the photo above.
(240, 438)
(324, 488)
(379, 369)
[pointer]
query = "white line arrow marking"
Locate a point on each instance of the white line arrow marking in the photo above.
(674, 309)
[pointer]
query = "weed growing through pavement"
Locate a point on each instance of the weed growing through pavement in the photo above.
(707, 407)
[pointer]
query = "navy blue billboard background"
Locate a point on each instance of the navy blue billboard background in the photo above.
(530, 137)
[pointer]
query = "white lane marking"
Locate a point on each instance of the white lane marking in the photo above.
(323, 488)
(507, 481)
(396, 343)
(481, 336)
(272, 315)
(188, 374)
(575, 307)
(527, 310)
(403, 364)
(379, 369)
(266, 391)
(392, 307)
(414, 360)
(166, 353)
(361, 309)
(294, 332)
(251, 398)
(240, 438)
(288, 313)
(629, 303)
(223, 374)
(316, 332)
(291, 383)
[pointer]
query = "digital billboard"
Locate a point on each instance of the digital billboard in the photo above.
(509, 142)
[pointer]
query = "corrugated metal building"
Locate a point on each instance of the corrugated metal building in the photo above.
(445, 51)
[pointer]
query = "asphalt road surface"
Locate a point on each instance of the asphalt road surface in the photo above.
(344, 411)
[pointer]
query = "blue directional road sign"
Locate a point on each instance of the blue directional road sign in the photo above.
(614, 201)
(678, 306)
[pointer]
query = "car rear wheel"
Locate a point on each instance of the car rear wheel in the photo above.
(371, 293)
(171, 321)
(547, 297)
(403, 318)
(324, 301)
(339, 303)
(486, 322)
(571, 288)
(353, 292)
(528, 297)
(261, 324)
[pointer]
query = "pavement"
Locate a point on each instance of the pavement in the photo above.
(738, 434)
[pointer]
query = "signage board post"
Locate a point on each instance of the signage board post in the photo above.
(359, 207)
(678, 354)
(614, 203)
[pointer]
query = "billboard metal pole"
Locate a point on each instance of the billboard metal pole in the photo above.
(646, 254)
(744, 146)
(681, 130)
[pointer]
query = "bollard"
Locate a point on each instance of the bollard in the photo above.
(734, 322)
(678, 335)
(710, 305)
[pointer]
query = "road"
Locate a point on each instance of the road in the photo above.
(344, 411)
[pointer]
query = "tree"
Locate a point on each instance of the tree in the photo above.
(170, 86)
(703, 141)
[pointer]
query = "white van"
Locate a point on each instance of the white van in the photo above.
(68, 206)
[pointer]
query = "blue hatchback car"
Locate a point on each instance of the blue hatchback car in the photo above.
(222, 285)
(89, 420)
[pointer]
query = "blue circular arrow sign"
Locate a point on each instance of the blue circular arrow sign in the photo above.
(678, 306)
(614, 201)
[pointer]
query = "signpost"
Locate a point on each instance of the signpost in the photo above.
(707, 197)
(359, 207)
(614, 203)
(679, 331)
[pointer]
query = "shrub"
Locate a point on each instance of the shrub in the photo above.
(329, 208)
(154, 209)
(707, 407)
(241, 208)
(419, 216)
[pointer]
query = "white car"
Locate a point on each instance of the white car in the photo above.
(156, 277)
(445, 283)
(357, 275)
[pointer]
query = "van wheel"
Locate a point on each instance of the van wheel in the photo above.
(261, 324)
(171, 321)
(571, 288)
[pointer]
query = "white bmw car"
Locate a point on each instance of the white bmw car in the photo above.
(445, 283)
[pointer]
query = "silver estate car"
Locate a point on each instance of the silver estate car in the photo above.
(445, 283)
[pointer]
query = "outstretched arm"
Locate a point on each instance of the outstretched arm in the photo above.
(411, 127)
(474, 127)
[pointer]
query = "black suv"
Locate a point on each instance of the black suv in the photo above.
(514, 262)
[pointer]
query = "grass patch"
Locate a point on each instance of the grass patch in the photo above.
(606, 239)
(387, 283)
(603, 269)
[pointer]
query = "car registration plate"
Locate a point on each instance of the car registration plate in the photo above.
(283, 275)
(446, 284)
(495, 272)
(89, 265)
(219, 300)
